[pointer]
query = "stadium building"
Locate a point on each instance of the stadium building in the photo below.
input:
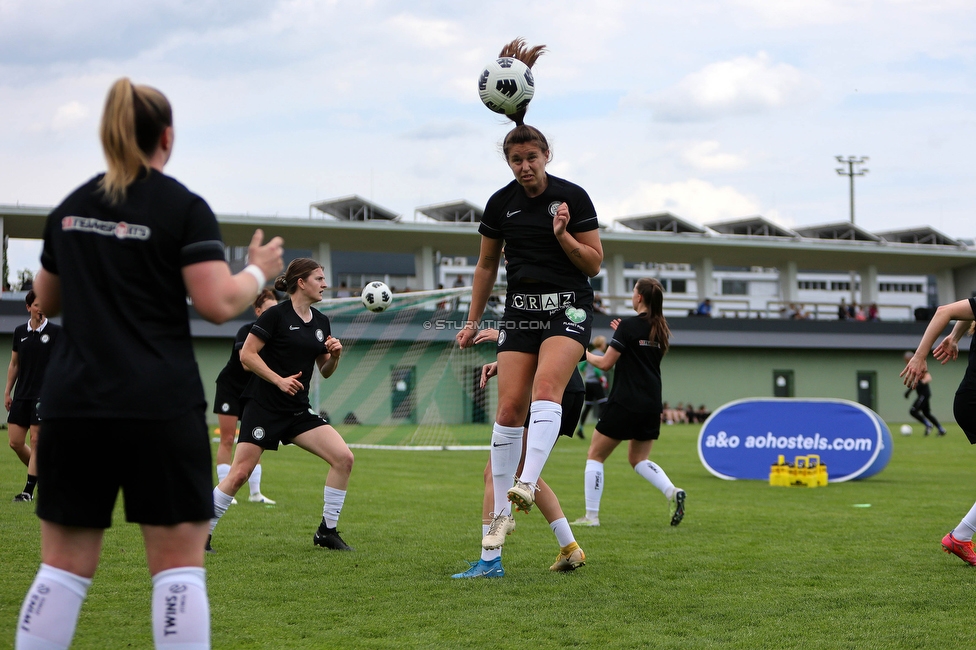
(400, 367)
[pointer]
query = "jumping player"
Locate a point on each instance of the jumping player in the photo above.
(284, 345)
(231, 383)
(33, 343)
(959, 541)
(921, 409)
(570, 556)
(549, 229)
(122, 401)
(633, 410)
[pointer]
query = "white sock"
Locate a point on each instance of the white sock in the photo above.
(221, 503)
(254, 481)
(655, 476)
(593, 487)
(223, 469)
(564, 534)
(506, 452)
(494, 553)
(50, 611)
(333, 505)
(180, 609)
(964, 531)
(543, 431)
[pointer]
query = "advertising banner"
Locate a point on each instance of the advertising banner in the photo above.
(741, 439)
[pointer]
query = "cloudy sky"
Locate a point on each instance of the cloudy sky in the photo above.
(710, 109)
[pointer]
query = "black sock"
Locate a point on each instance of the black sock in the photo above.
(31, 482)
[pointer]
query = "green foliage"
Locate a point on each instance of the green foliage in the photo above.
(751, 566)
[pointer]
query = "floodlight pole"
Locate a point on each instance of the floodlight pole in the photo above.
(851, 161)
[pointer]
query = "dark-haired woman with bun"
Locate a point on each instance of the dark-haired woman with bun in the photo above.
(549, 230)
(122, 402)
(284, 346)
(231, 383)
(633, 409)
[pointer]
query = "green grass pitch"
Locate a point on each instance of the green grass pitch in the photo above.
(751, 566)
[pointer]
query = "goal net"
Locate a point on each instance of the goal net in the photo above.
(402, 380)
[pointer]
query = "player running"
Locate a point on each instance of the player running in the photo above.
(633, 409)
(231, 383)
(284, 345)
(122, 401)
(959, 541)
(921, 409)
(32, 347)
(549, 229)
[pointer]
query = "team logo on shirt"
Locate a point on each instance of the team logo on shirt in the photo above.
(648, 344)
(257, 433)
(225, 407)
(553, 207)
(118, 229)
(575, 315)
(319, 335)
(45, 338)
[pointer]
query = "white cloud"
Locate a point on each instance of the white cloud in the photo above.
(423, 32)
(740, 86)
(705, 156)
(69, 115)
(693, 199)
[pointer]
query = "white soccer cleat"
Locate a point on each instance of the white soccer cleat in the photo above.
(522, 495)
(501, 526)
(586, 521)
(260, 498)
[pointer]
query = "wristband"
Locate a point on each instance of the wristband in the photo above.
(257, 274)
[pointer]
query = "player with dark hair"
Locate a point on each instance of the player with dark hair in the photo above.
(549, 229)
(284, 345)
(122, 401)
(958, 541)
(921, 409)
(231, 383)
(570, 556)
(32, 347)
(633, 410)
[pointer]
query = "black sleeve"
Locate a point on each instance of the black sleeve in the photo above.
(48, 263)
(242, 336)
(201, 237)
(491, 220)
(622, 336)
(266, 324)
(582, 214)
(17, 337)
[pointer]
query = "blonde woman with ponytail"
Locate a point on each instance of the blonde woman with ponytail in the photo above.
(633, 409)
(122, 402)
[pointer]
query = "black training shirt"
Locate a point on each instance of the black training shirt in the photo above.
(233, 376)
(637, 373)
(33, 348)
(290, 345)
(531, 249)
(126, 350)
(968, 382)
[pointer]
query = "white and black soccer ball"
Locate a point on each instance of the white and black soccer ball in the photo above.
(506, 85)
(906, 429)
(377, 296)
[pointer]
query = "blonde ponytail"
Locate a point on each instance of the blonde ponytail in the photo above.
(132, 123)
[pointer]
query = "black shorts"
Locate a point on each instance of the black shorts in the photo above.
(266, 429)
(23, 412)
(620, 423)
(572, 407)
(524, 330)
(964, 410)
(227, 401)
(595, 393)
(162, 467)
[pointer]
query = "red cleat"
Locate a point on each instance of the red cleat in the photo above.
(962, 550)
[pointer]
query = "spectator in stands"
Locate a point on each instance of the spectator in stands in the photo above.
(343, 291)
(702, 413)
(853, 311)
(598, 307)
(873, 312)
(690, 413)
(704, 308)
(842, 312)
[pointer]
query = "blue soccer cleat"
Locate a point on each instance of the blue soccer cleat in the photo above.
(482, 569)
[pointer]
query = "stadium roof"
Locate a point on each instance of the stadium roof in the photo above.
(756, 226)
(354, 208)
(661, 222)
(921, 235)
(455, 211)
(841, 230)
